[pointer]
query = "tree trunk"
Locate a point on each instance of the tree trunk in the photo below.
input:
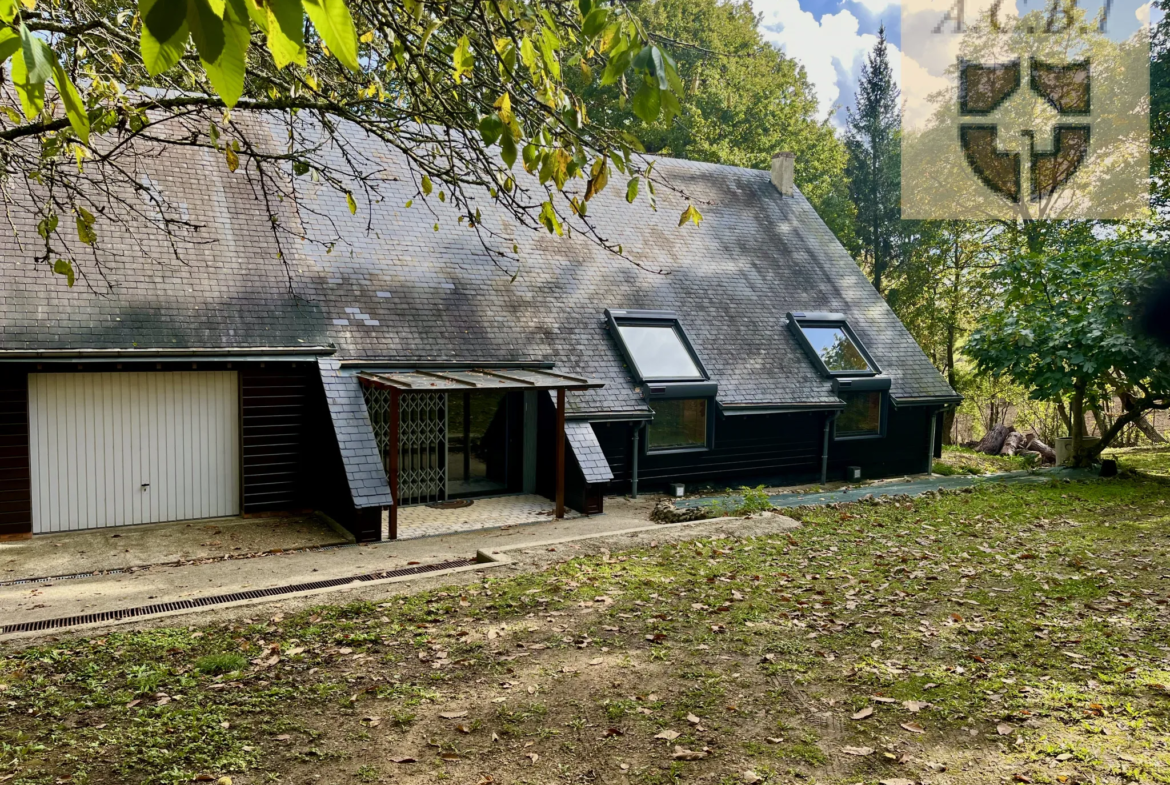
(1099, 419)
(1143, 425)
(1013, 444)
(1035, 445)
(949, 414)
(993, 441)
(1077, 416)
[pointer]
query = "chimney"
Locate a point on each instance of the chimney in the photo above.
(783, 168)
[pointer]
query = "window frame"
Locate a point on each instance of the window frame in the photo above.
(639, 318)
(799, 320)
(883, 413)
(708, 430)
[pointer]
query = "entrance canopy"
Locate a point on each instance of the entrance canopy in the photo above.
(487, 378)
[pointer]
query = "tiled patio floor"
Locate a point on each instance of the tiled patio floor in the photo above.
(423, 521)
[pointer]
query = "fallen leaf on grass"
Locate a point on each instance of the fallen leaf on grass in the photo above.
(684, 754)
(133, 703)
(774, 740)
(452, 715)
(751, 778)
(596, 661)
(881, 699)
(896, 781)
(914, 706)
(692, 719)
(532, 756)
(403, 760)
(204, 778)
(372, 722)
(283, 737)
(861, 715)
(669, 735)
(224, 781)
(913, 727)
(859, 751)
(463, 728)
(1003, 729)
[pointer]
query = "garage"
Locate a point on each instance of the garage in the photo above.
(120, 448)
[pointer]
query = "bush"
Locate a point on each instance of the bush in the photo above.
(747, 502)
(216, 664)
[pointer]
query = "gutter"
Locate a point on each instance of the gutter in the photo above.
(927, 400)
(154, 353)
(825, 447)
(375, 365)
(610, 416)
(735, 410)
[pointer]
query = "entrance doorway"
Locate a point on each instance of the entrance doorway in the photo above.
(484, 443)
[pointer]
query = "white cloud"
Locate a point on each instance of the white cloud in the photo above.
(831, 50)
(874, 6)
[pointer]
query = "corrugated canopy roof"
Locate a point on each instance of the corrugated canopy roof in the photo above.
(419, 380)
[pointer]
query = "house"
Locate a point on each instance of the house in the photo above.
(233, 369)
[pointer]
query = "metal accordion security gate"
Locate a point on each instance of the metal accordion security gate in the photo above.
(422, 442)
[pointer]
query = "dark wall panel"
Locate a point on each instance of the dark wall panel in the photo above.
(904, 450)
(763, 448)
(15, 492)
(275, 436)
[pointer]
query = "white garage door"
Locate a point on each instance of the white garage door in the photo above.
(110, 449)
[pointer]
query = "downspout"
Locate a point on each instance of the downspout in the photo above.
(930, 445)
(825, 448)
(634, 464)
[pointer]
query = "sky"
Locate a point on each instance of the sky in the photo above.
(832, 39)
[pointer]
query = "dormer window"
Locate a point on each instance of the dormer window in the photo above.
(832, 345)
(671, 376)
(839, 354)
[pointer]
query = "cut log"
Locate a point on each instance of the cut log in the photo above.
(1035, 445)
(1013, 444)
(992, 443)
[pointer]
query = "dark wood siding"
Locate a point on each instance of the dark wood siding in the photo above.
(15, 493)
(746, 448)
(275, 436)
(905, 449)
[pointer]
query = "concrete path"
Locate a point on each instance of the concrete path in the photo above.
(908, 487)
(210, 577)
(125, 547)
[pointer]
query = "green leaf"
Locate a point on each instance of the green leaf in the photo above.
(164, 33)
(548, 47)
(648, 101)
(632, 189)
(63, 267)
(351, 203)
(548, 217)
(490, 129)
(462, 59)
(85, 231)
(508, 149)
(427, 185)
(226, 73)
(595, 22)
(9, 43)
(528, 54)
(38, 57)
(335, 25)
(74, 105)
(8, 10)
(300, 168)
(207, 30)
(286, 32)
(47, 225)
(531, 156)
(690, 214)
(619, 62)
(32, 95)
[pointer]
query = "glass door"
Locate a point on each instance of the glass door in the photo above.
(482, 433)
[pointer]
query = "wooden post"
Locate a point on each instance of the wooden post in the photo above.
(392, 446)
(561, 453)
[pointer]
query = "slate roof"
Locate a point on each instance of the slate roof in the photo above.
(405, 292)
(355, 436)
(587, 450)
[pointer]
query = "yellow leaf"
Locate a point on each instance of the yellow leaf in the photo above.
(29, 4)
(690, 214)
(367, 37)
(351, 202)
(233, 160)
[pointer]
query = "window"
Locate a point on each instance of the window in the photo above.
(831, 344)
(679, 424)
(658, 351)
(862, 415)
(836, 351)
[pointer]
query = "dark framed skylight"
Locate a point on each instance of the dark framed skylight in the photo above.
(831, 344)
(658, 352)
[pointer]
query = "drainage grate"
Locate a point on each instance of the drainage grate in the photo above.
(221, 599)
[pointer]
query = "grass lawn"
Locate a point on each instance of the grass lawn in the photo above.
(1010, 634)
(964, 460)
